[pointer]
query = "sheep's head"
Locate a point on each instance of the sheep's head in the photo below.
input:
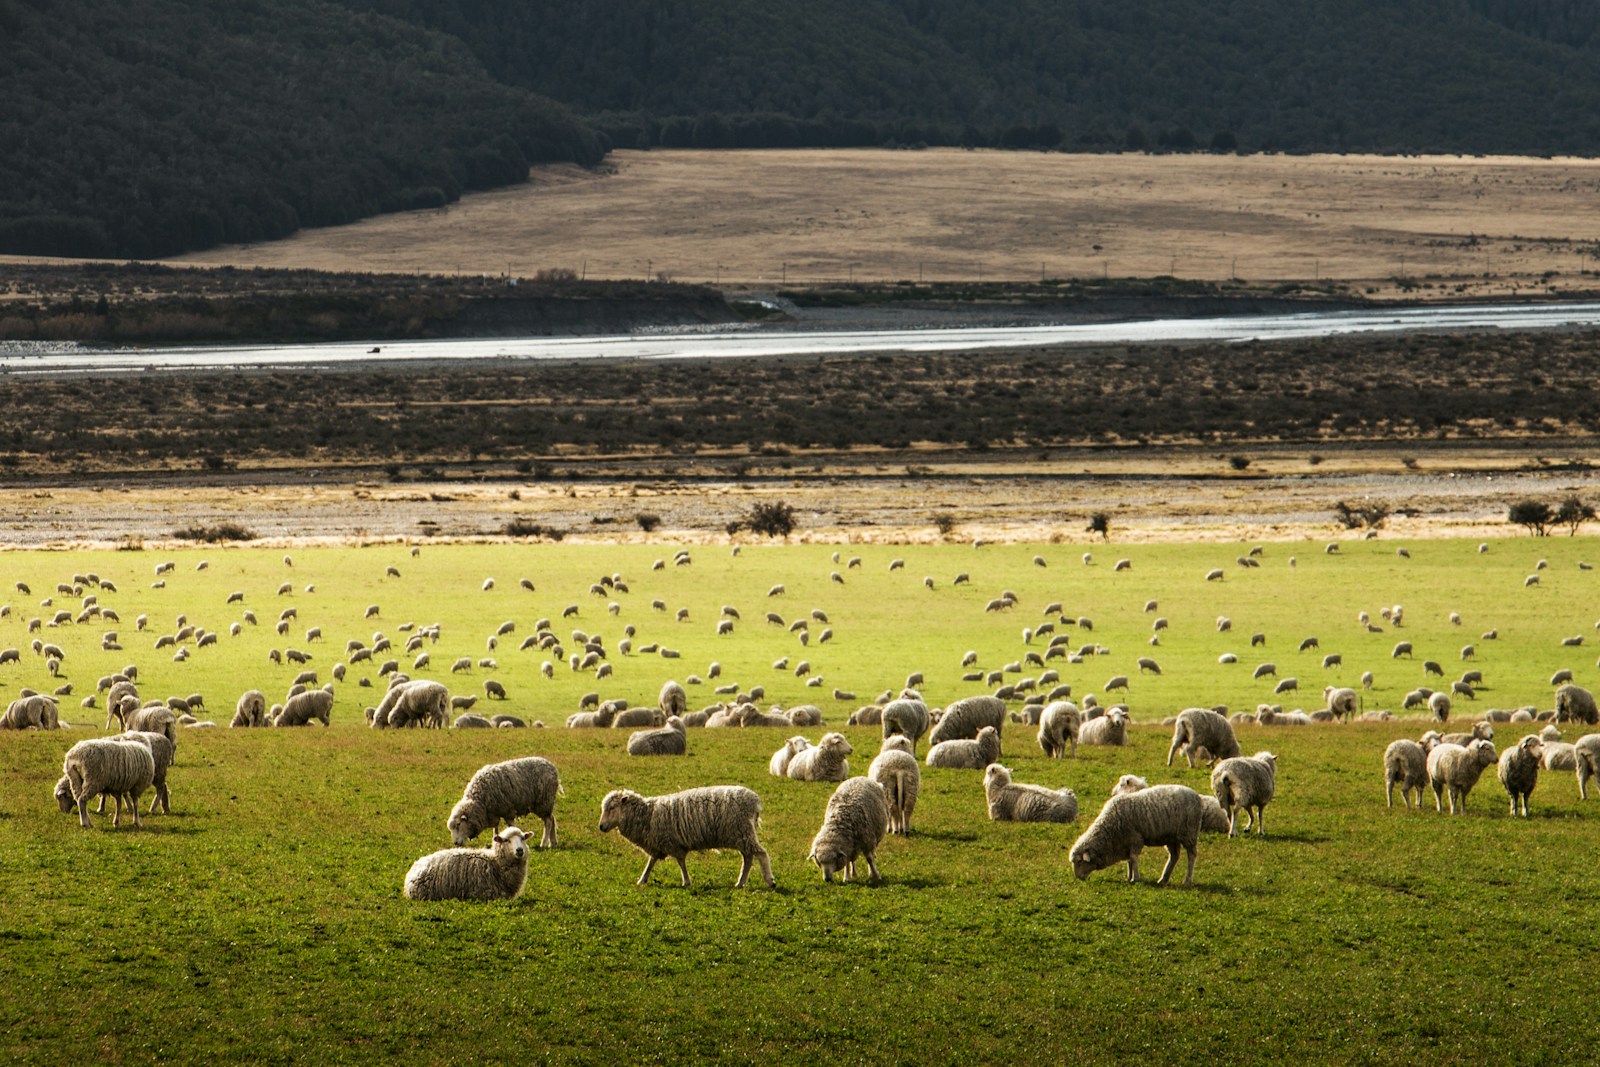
(511, 845)
(831, 858)
(1268, 757)
(465, 821)
(613, 806)
(996, 776)
(838, 743)
(1533, 745)
(1085, 862)
(64, 795)
(897, 743)
(1129, 783)
(1483, 752)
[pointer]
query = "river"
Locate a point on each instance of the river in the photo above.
(728, 344)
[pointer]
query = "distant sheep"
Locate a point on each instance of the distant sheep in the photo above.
(1343, 702)
(673, 700)
(896, 769)
(693, 820)
(906, 717)
(300, 710)
(494, 873)
(1108, 729)
(778, 765)
(1168, 815)
(1203, 733)
(1439, 706)
(824, 762)
(1245, 783)
(419, 703)
(1058, 729)
(973, 754)
(965, 717)
(668, 740)
(1010, 801)
(856, 819)
(251, 709)
(1576, 704)
(503, 792)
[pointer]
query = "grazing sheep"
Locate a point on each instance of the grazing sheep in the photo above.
(504, 791)
(823, 762)
(1263, 670)
(1287, 685)
(251, 709)
(676, 824)
(1108, 729)
(673, 700)
(1586, 761)
(896, 769)
(1405, 763)
(30, 712)
(1577, 704)
(1342, 702)
(300, 709)
(1204, 733)
(856, 819)
(1058, 729)
(668, 740)
(1457, 769)
(493, 689)
(1168, 815)
(1015, 802)
(973, 754)
(778, 765)
(1439, 706)
(103, 766)
(494, 873)
(413, 703)
(866, 715)
(163, 751)
(965, 717)
(1247, 783)
(1519, 770)
(905, 717)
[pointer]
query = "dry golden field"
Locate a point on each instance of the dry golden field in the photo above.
(1466, 226)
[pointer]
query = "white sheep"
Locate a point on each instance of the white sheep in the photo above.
(1405, 763)
(896, 769)
(413, 703)
(494, 873)
(965, 717)
(1058, 729)
(1575, 703)
(503, 791)
(1168, 815)
(34, 712)
(1108, 729)
(1010, 801)
(1456, 769)
(1439, 706)
(676, 824)
(1342, 701)
(251, 709)
(668, 740)
(1204, 733)
(778, 765)
(823, 762)
(906, 717)
(673, 699)
(1213, 820)
(973, 754)
(163, 751)
(105, 766)
(856, 819)
(299, 710)
(1247, 783)
(1586, 761)
(1519, 770)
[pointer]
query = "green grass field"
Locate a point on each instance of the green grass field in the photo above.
(262, 920)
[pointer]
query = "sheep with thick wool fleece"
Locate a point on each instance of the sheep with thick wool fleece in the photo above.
(1168, 815)
(494, 873)
(1248, 783)
(896, 769)
(1010, 801)
(104, 765)
(693, 820)
(503, 792)
(856, 819)
(823, 762)
(1454, 769)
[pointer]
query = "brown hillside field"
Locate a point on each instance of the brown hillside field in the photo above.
(1454, 226)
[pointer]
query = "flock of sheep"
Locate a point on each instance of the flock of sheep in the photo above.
(963, 736)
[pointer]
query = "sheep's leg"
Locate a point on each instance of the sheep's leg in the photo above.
(1172, 863)
(83, 812)
(766, 865)
(1133, 865)
(684, 867)
(744, 870)
(1438, 797)
(1261, 821)
(872, 866)
(1173, 751)
(1388, 792)
(133, 806)
(101, 809)
(548, 839)
(649, 865)
(1188, 877)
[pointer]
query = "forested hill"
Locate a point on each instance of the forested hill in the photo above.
(1520, 76)
(147, 127)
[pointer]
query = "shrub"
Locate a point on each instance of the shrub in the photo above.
(1100, 523)
(1534, 514)
(647, 522)
(1354, 516)
(529, 528)
(1573, 513)
(222, 531)
(772, 518)
(945, 523)
(1238, 462)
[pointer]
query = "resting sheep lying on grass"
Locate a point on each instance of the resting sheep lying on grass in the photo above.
(964, 754)
(494, 873)
(824, 762)
(1010, 801)
(676, 824)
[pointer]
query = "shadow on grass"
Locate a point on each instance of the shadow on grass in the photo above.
(943, 835)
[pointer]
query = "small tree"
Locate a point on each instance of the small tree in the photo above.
(647, 522)
(1354, 516)
(770, 519)
(1100, 523)
(1534, 514)
(1573, 513)
(945, 523)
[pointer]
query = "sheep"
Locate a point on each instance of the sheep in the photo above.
(823, 762)
(299, 710)
(693, 820)
(1457, 769)
(154, 718)
(413, 703)
(668, 740)
(1287, 685)
(493, 873)
(1058, 729)
(1405, 763)
(251, 709)
(632, 718)
(973, 754)
(896, 769)
(866, 715)
(673, 700)
(1586, 761)
(471, 721)
(1439, 706)
(1204, 733)
(1108, 729)
(163, 750)
(965, 717)
(1575, 703)
(493, 690)
(602, 718)
(1519, 770)
(1263, 670)
(1168, 815)
(1402, 648)
(1248, 783)
(1560, 756)
(504, 791)
(906, 717)
(105, 766)
(1343, 702)
(856, 819)
(1015, 802)
(778, 765)
(33, 712)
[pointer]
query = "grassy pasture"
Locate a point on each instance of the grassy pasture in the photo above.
(262, 921)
